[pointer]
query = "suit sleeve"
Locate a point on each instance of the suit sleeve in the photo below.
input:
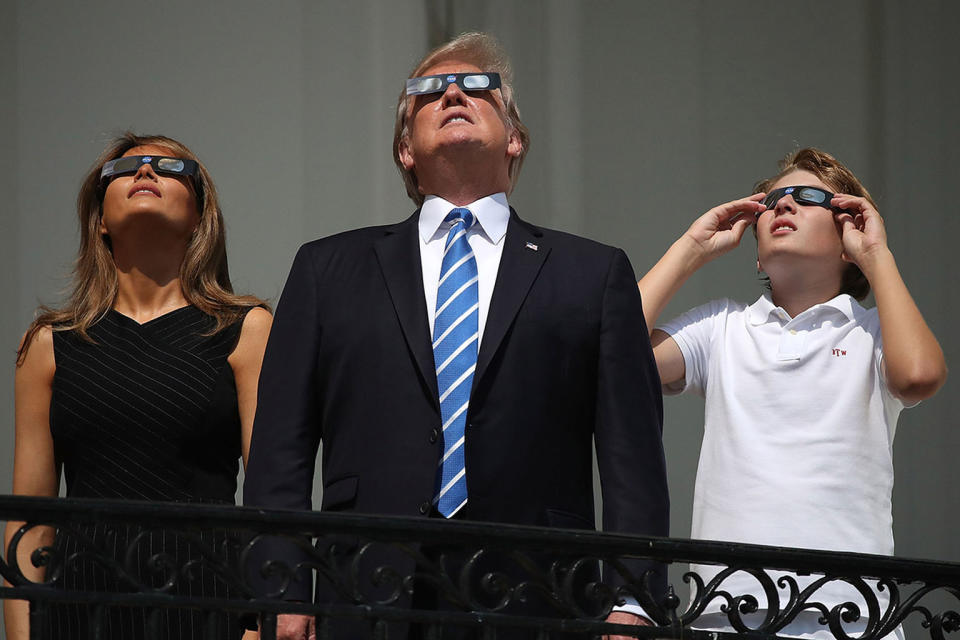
(287, 428)
(629, 422)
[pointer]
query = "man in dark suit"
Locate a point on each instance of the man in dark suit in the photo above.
(460, 363)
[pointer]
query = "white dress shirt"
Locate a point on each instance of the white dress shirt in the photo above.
(485, 238)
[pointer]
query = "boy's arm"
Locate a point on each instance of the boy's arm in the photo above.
(914, 365)
(714, 233)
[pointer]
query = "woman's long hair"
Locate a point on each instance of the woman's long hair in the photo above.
(204, 277)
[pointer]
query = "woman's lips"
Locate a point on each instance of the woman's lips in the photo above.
(144, 189)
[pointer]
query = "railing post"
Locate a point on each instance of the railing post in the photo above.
(154, 622)
(38, 618)
(268, 626)
(323, 628)
(95, 615)
(213, 625)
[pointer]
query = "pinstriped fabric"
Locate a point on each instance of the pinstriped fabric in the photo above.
(455, 342)
(145, 412)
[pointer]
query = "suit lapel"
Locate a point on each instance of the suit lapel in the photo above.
(398, 253)
(523, 255)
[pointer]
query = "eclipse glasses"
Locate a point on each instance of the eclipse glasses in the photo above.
(160, 164)
(466, 81)
(802, 195)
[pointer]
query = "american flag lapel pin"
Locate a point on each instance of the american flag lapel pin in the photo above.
(532, 246)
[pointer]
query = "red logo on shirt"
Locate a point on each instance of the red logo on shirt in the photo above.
(838, 352)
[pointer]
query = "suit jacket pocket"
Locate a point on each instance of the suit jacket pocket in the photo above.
(340, 494)
(567, 520)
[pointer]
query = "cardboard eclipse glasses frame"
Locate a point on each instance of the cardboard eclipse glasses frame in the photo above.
(802, 195)
(484, 81)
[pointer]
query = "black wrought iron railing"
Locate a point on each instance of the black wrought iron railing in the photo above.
(482, 580)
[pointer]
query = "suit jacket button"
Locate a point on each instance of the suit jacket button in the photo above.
(434, 435)
(424, 508)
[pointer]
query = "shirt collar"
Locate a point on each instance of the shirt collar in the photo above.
(761, 310)
(492, 213)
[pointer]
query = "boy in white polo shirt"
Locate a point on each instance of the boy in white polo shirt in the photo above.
(804, 386)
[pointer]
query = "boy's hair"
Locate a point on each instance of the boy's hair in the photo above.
(835, 175)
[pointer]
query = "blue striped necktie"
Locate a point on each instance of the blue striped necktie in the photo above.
(455, 342)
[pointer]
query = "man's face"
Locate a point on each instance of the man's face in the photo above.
(457, 120)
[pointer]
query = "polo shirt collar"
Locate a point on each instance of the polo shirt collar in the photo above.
(845, 304)
(761, 310)
(492, 213)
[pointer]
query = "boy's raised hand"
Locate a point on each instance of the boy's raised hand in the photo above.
(711, 235)
(862, 231)
(720, 229)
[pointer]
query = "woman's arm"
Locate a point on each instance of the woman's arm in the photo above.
(35, 471)
(913, 361)
(246, 360)
(714, 233)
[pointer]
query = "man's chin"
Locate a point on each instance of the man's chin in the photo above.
(462, 137)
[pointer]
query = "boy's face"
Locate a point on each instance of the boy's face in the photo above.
(797, 236)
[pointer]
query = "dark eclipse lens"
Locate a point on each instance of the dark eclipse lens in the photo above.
(174, 165)
(476, 82)
(813, 196)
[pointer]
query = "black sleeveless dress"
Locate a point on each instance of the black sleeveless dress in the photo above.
(145, 412)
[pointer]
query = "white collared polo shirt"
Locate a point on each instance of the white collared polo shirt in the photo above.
(798, 430)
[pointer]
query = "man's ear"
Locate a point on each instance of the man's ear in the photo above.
(759, 267)
(405, 154)
(514, 144)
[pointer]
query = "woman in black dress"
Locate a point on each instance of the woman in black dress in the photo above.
(144, 385)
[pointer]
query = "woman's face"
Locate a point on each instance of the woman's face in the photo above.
(148, 200)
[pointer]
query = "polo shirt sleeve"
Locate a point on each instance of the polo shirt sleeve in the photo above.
(695, 333)
(870, 321)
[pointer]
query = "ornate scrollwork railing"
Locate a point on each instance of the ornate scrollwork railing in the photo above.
(377, 576)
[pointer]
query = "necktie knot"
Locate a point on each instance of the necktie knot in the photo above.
(461, 215)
